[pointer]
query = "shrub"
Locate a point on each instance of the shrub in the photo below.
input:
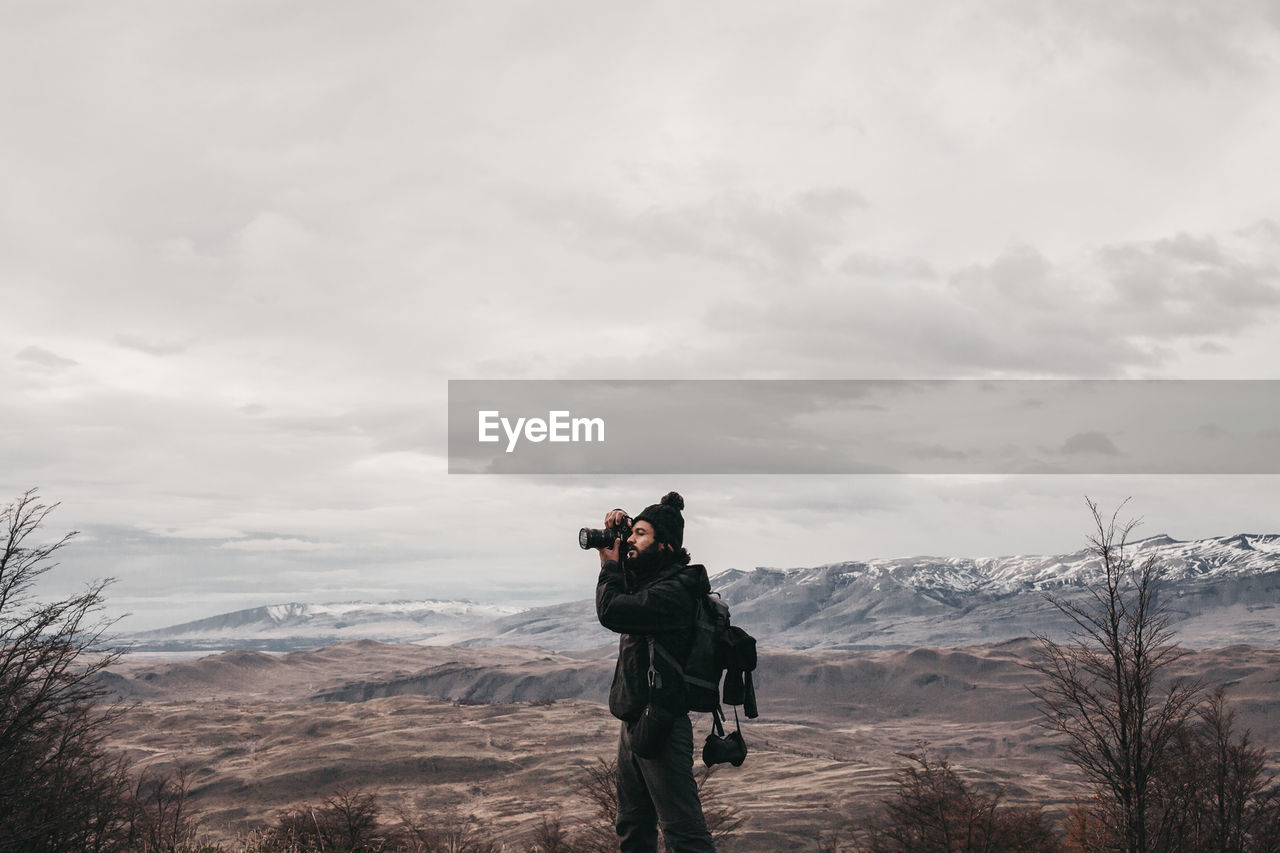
(934, 811)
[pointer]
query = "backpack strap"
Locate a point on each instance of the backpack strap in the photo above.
(717, 721)
(670, 658)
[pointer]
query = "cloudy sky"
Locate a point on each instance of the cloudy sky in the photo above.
(245, 245)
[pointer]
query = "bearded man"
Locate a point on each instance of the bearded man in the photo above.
(650, 598)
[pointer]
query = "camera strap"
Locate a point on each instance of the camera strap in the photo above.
(718, 720)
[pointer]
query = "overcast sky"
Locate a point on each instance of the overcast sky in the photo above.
(245, 245)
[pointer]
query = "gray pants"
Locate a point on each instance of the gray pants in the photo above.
(653, 791)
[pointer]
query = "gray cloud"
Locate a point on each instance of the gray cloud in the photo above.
(1089, 443)
(1188, 285)
(783, 234)
(278, 543)
(269, 238)
(872, 266)
(1211, 431)
(1184, 37)
(150, 347)
(43, 358)
(1121, 309)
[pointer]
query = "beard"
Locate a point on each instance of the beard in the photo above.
(648, 560)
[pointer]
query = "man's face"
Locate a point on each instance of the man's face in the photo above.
(641, 540)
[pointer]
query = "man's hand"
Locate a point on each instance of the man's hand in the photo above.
(612, 520)
(607, 554)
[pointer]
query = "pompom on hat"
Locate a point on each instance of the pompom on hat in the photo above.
(668, 523)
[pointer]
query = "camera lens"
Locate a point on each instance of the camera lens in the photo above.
(591, 538)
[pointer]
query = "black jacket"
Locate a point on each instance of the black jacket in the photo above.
(660, 604)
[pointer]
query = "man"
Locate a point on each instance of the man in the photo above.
(652, 594)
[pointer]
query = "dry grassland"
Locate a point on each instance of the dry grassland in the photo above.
(507, 734)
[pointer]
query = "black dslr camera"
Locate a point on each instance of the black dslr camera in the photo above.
(591, 538)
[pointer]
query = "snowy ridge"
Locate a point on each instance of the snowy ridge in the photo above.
(292, 612)
(1218, 591)
(292, 625)
(1236, 556)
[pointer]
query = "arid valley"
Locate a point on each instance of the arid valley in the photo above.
(508, 733)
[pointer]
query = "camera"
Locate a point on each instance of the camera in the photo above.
(731, 749)
(590, 538)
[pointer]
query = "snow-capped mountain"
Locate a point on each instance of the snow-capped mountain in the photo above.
(1221, 558)
(284, 627)
(1219, 592)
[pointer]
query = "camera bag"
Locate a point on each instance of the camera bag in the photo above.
(720, 748)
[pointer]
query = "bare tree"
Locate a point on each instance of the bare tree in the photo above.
(931, 810)
(1109, 689)
(1266, 822)
(445, 830)
(600, 787)
(1237, 783)
(346, 822)
(59, 790)
(160, 818)
(1215, 796)
(550, 836)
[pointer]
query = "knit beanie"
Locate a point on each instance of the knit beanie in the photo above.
(668, 523)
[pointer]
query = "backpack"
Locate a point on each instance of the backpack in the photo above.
(719, 650)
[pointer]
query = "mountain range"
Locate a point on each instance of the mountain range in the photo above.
(1218, 591)
(293, 626)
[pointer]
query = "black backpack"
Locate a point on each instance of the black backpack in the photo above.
(718, 651)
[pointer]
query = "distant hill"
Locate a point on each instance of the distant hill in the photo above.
(293, 626)
(1220, 591)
